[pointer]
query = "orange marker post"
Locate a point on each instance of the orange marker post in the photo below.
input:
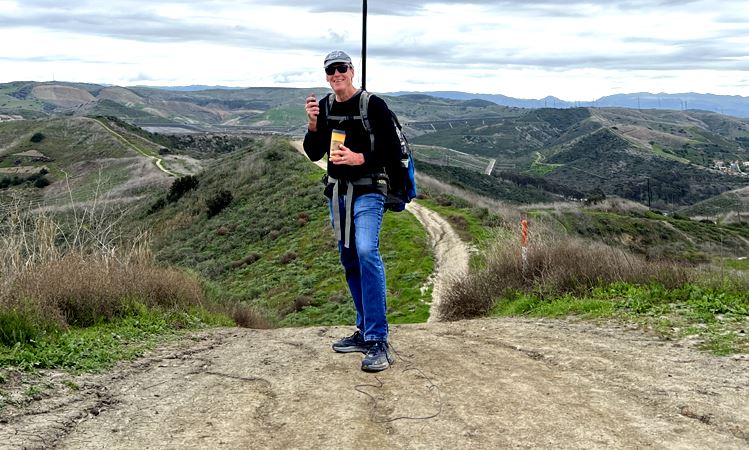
(524, 243)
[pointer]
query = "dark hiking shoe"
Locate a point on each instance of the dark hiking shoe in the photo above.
(378, 357)
(353, 343)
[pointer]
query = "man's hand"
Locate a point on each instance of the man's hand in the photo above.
(344, 156)
(313, 110)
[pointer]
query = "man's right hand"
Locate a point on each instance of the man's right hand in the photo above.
(313, 110)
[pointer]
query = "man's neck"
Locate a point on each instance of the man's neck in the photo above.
(346, 95)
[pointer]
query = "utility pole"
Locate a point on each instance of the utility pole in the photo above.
(648, 192)
(364, 46)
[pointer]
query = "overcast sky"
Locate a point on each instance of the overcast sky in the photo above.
(574, 50)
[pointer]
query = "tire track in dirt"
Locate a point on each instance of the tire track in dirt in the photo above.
(450, 252)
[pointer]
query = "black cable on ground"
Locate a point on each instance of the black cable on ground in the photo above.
(409, 368)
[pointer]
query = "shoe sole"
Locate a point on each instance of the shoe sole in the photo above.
(350, 349)
(377, 367)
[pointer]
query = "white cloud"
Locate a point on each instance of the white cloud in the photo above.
(575, 50)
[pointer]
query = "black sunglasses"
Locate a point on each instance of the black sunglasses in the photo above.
(342, 68)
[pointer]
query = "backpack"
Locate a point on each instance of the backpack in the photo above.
(402, 183)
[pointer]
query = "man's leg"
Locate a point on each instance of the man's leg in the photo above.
(368, 213)
(350, 262)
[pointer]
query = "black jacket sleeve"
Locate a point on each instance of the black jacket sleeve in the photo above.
(317, 143)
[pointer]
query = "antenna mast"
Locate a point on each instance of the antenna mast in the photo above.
(364, 46)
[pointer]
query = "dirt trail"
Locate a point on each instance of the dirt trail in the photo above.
(451, 254)
(500, 383)
(157, 161)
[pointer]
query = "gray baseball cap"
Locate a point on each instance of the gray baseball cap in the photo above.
(337, 56)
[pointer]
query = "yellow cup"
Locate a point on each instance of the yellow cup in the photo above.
(337, 137)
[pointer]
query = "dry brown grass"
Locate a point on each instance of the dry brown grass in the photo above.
(246, 316)
(83, 276)
(79, 289)
(555, 265)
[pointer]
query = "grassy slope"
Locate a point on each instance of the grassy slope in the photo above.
(272, 247)
(94, 160)
(711, 311)
(650, 234)
(488, 186)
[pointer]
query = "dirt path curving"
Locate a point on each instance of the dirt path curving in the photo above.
(451, 254)
(157, 161)
(500, 383)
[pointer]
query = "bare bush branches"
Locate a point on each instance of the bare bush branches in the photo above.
(556, 266)
(56, 272)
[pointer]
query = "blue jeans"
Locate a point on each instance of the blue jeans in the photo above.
(365, 273)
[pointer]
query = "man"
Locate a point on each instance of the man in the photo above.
(356, 187)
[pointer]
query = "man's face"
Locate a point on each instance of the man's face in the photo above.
(338, 81)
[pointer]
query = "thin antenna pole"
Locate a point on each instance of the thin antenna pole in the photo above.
(364, 46)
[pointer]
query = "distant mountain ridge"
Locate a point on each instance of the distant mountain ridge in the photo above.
(192, 88)
(732, 105)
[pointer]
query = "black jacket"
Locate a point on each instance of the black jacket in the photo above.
(386, 150)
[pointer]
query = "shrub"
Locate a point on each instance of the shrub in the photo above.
(180, 187)
(37, 137)
(49, 280)
(595, 197)
(86, 289)
(247, 260)
(247, 317)
(157, 205)
(19, 326)
(288, 257)
(41, 183)
(300, 303)
(218, 202)
(273, 155)
(555, 267)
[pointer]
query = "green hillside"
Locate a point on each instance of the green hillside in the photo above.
(614, 151)
(667, 159)
(79, 157)
(272, 246)
(653, 235)
(488, 186)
